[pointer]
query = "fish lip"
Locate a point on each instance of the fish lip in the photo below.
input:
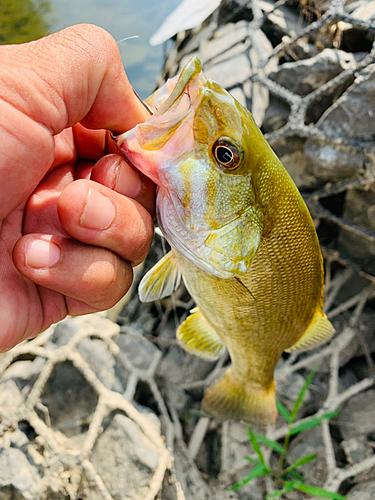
(191, 69)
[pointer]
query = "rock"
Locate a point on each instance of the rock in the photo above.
(359, 209)
(328, 163)
(356, 449)
(302, 77)
(354, 38)
(276, 115)
(229, 59)
(19, 371)
(282, 21)
(357, 416)
(70, 400)
(290, 150)
(125, 459)
(101, 361)
(352, 115)
(177, 368)
(307, 443)
(226, 37)
(19, 480)
(136, 352)
(63, 333)
(10, 398)
(187, 15)
(363, 491)
(288, 391)
(231, 72)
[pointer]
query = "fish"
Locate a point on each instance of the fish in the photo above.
(241, 238)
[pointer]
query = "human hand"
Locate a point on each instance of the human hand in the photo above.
(67, 246)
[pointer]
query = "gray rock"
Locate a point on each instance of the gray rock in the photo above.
(229, 59)
(19, 371)
(363, 491)
(290, 150)
(282, 21)
(231, 72)
(18, 478)
(289, 389)
(101, 361)
(276, 115)
(136, 348)
(187, 15)
(356, 449)
(63, 333)
(10, 397)
(307, 443)
(357, 416)
(225, 38)
(302, 77)
(177, 368)
(352, 115)
(359, 209)
(362, 9)
(125, 459)
(70, 400)
(328, 163)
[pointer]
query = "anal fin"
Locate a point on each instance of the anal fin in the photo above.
(161, 280)
(319, 330)
(197, 337)
(231, 398)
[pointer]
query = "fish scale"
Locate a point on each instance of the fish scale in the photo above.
(243, 241)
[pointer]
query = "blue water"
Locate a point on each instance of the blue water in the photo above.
(122, 18)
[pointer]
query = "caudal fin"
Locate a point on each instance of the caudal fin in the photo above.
(229, 398)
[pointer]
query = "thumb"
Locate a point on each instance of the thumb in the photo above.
(75, 75)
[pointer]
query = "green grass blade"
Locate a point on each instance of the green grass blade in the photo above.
(301, 461)
(313, 422)
(252, 460)
(288, 487)
(269, 442)
(319, 492)
(275, 494)
(259, 470)
(255, 445)
(298, 476)
(283, 411)
(301, 395)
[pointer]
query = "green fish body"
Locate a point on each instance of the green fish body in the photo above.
(241, 237)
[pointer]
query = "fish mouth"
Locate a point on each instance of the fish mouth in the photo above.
(168, 132)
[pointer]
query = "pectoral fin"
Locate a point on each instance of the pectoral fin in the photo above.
(161, 280)
(198, 337)
(319, 330)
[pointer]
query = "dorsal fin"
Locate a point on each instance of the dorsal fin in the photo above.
(319, 330)
(161, 280)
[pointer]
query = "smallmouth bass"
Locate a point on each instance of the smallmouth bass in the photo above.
(241, 237)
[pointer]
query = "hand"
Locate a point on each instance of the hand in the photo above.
(68, 235)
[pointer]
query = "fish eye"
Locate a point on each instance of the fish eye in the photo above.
(226, 154)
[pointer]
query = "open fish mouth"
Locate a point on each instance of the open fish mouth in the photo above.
(168, 132)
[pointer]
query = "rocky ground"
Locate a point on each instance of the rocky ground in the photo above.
(92, 409)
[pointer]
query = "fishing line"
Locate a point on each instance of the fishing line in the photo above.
(135, 92)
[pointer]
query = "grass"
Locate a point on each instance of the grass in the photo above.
(287, 478)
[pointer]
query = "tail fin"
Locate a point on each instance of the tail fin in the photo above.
(229, 398)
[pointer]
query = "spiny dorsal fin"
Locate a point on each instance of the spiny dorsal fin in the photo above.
(198, 337)
(319, 330)
(235, 399)
(161, 280)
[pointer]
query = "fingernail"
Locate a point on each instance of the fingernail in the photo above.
(41, 253)
(128, 182)
(98, 212)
